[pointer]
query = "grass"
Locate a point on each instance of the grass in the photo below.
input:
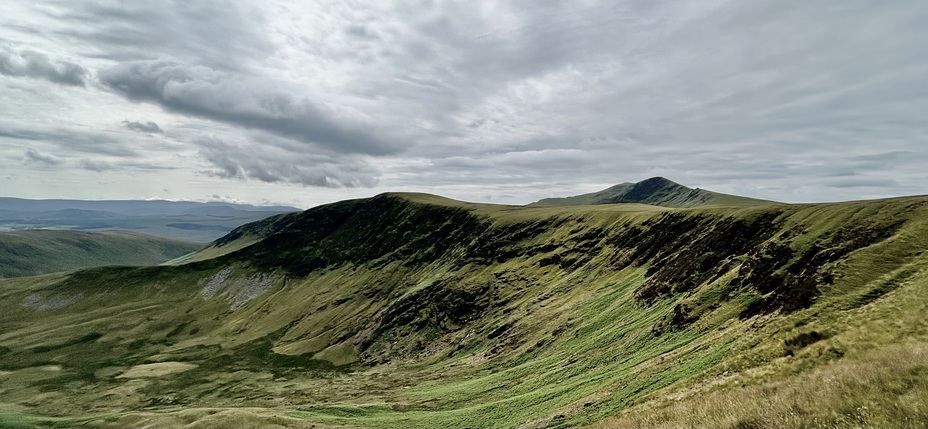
(530, 317)
(93, 336)
(28, 253)
(15, 419)
(885, 389)
(859, 378)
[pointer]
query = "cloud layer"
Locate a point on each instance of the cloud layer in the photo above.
(37, 65)
(510, 101)
(275, 163)
(246, 102)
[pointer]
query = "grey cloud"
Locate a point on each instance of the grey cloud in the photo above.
(37, 65)
(864, 183)
(791, 103)
(222, 34)
(74, 140)
(448, 57)
(842, 173)
(885, 159)
(96, 165)
(20, 134)
(142, 127)
(478, 123)
(35, 156)
(518, 169)
(147, 166)
(102, 166)
(361, 32)
(248, 102)
(273, 164)
(703, 93)
(91, 143)
(751, 73)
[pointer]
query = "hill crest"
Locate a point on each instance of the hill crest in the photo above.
(658, 191)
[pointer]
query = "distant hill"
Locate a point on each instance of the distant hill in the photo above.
(132, 207)
(27, 253)
(186, 220)
(656, 191)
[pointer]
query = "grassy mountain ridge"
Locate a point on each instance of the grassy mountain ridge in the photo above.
(408, 310)
(27, 253)
(657, 191)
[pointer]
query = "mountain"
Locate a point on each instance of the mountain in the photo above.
(411, 310)
(28, 253)
(184, 220)
(656, 191)
(130, 207)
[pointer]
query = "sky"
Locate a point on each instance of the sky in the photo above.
(304, 103)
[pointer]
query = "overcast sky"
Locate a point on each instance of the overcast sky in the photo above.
(310, 102)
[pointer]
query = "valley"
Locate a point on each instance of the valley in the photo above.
(413, 310)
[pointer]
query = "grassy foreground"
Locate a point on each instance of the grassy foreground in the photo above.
(417, 311)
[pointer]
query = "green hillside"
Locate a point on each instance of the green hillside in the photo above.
(657, 191)
(27, 253)
(410, 310)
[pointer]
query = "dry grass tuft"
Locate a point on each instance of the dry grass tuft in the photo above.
(885, 388)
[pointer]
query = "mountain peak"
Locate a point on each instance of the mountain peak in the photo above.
(658, 191)
(657, 180)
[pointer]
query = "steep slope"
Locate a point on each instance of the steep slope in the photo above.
(415, 311)
(657, 191)
(27, 253)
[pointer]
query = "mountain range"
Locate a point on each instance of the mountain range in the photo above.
(414, 310)
(186, 220)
